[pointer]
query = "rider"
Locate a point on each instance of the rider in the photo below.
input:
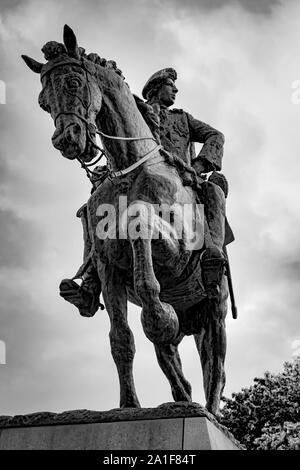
(177, 131)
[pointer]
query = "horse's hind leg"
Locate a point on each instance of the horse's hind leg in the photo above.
(211, 345)
(170, 363)
(121, 337)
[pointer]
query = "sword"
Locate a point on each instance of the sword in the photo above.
(230, 287)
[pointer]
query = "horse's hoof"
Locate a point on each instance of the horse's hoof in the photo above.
(214, 410)
(134, 403)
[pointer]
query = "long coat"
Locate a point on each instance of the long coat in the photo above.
(178, 132)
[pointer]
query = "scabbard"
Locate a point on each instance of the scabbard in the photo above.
(230, 287)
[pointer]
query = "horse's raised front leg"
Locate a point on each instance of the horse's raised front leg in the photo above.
(121, 337)
(211, 345)
(159, 319)
(170, 363)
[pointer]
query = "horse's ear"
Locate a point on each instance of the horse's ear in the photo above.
(70, 42)
(34, 65)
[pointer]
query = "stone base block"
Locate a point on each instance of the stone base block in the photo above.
(134, 433)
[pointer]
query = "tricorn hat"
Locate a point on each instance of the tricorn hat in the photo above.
(158, 78)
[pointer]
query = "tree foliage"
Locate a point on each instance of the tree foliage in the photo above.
(266, 415)
(284, 436)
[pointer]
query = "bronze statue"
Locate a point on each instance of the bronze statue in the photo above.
(174, 268)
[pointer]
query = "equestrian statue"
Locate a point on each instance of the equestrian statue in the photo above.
(155, 229)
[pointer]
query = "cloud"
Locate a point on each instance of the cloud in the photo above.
(235, 62)
(19, 241)
(257, 7)
(34, 369)
(8, 5)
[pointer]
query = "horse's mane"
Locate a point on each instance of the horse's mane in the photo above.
(53, 50)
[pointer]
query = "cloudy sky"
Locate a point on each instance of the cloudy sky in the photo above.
(237, 61)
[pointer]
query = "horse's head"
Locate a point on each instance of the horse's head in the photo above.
(71, 95)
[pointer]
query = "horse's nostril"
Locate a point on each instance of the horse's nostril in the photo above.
(71, 133)
(57, 140)
(69, 140)
(73, 130)
(56, 134)
(76, 129)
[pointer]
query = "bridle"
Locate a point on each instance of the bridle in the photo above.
(92, 129)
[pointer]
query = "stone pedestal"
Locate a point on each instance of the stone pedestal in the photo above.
(171, 426)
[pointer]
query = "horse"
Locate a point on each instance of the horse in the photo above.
(160, 272)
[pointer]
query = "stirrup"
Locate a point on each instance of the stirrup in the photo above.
(213, 263)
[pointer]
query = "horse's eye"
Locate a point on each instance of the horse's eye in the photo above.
(74, 83)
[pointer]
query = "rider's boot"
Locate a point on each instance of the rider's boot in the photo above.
(213, 263)
(213, 260)
(86, 296)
